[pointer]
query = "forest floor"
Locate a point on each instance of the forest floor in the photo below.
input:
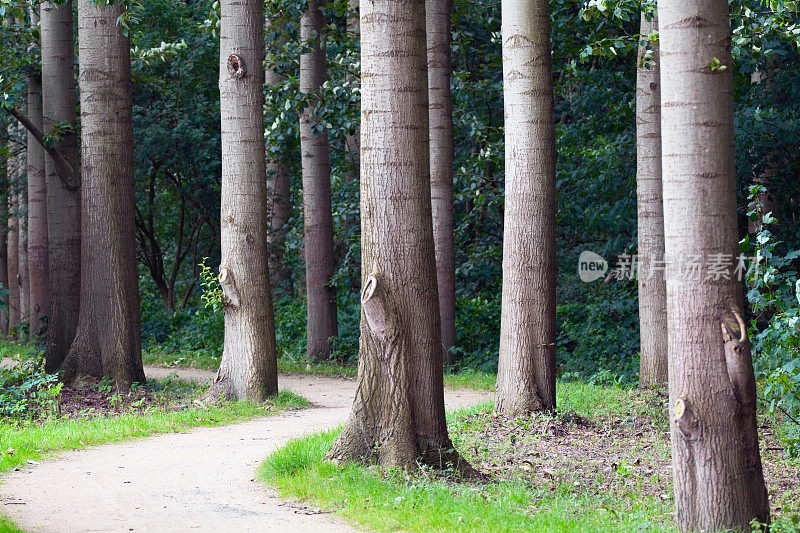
(200, 480)
(601, 462)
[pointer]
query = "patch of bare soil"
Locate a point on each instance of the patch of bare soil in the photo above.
(91, 397)
(621, 457)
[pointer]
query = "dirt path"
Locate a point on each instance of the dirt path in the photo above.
(200, 480)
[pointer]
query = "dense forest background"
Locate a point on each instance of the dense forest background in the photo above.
(176, 121)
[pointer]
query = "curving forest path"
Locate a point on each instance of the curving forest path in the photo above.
(199, 480)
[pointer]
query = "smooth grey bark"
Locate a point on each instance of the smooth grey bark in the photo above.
(37, 210)
(526, 378)
(650, 208)
(108, 337)
(398, 415)
(717, 472)
(321, 322)
(352, 141)
(63, 196)
(438, 14)
(249, 359)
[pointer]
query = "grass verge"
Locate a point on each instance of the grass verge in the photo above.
(471, 379)
(600, 463)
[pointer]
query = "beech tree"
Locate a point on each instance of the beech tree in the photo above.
(526, 378)
(37, 207)
(718, 478)
(249, 363)
(108, 337)
(398, 415)
(438, 14)
(317, 216)
(352, 140)
(22, 237)
(63, 195)
(652, 287)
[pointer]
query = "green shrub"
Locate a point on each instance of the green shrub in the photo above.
(26, 390)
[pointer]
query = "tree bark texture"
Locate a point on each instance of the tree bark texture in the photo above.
(4, 281)
(12, 243)
(63, 201)
(438, 14)
(398, 415)
(353, 141)
(650, 207)
(526, 377)
(718, 478)
(314, 148)
(278, 184)
(249, 364)
(37, 210)
(22, 236)
(108, 337)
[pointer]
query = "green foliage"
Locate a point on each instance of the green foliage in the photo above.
(774, 297)
(26, 390)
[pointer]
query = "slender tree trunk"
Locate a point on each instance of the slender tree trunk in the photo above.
(718, 478)
(12, 241)
(63, 203)
(249, 364)
(438, 14)
(353, 141)
(320, 263)
(22, 235)
(4, 283)
(526, 378)
(37, 209)
(398, 414)
(652, 287)
(108, 338)
(278, 184)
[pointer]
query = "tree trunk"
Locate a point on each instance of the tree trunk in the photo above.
(652, 286)
(22, 235)
(352, 141)
(4, 283)
(438, 14)
(398, 414)
(526, 378)
(278, 185)
(320, 263)
(718, 478)
(37, 210)
(63, 203)
(249, 364)
(12, 260)
(108, 338)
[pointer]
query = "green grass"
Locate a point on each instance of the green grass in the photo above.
(35, 441)
(386, 501)
(471, 379)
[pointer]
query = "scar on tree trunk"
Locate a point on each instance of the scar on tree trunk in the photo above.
(381, 427)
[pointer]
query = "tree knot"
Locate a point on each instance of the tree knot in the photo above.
(236, 67)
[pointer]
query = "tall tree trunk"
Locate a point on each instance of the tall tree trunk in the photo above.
(438, 14)
(249, 364)
(108, 338)
(63, 203)
(22, 235)
(652, 286)
(352, 141)
(12, 260)
(398, 414)
(526, 378)
(4, 283)
(278, 184)
(37, 209)
(320, 263)
(718, 478)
